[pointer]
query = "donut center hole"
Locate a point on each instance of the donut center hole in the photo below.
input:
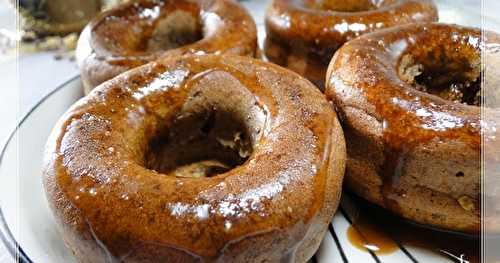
(177, 29)
(149, 27)
(347, 5)
(451, 73)
(201, 145)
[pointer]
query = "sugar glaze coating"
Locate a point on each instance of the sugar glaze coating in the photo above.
(303, 35)
(133, 34)
(275, 206)
(409, 151)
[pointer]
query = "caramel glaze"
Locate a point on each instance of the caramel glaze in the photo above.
(275, 206)
(369, 230)
(117, 40)
(304, 38)
(366, 237)
(412, 152)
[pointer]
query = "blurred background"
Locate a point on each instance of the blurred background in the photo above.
(49, 29)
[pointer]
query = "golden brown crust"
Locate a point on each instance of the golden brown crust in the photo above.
(411, 152)
(275, 205)
(125, 36)
(304, 38)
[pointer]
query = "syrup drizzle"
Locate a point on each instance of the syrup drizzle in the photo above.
(382, 233)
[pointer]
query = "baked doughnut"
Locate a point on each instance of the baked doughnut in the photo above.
(200, 158)
(303, 35)
(408, 99)
(133, 34)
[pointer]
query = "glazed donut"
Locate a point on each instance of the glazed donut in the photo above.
(200, 158)
(133, 34)
(303, 35)
(408, 99)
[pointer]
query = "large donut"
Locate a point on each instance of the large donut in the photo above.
(133, 34)
(408, 101)
(303, 35)
(200, 158)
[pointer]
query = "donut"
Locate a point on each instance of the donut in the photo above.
(303, 35)
(133, 34)
(409, 102)
(196, 158)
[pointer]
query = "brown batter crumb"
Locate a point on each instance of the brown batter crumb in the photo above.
(177, 29)
(346, 5)
(204, 144)
(201, 169)
(457, 81)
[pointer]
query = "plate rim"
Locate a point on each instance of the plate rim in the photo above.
(11, 244)
(6, 236)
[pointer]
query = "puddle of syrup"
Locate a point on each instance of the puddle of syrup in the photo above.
(367, 237)
(378, 231)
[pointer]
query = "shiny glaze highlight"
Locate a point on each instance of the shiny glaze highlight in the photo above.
(418, 155)
(276, 205)
(304, 38)
(117, 40)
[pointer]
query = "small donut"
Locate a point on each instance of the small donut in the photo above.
(303, 35)
(408, 99)
(133, 34)
(197, 159)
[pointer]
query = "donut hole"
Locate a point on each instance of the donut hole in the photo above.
(147, 28)
(200, 145)
(452, 72)
(177, 29)
(347, 5)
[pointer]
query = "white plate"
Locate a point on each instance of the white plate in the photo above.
(27, 226)
(24, 214)
(26, 222)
